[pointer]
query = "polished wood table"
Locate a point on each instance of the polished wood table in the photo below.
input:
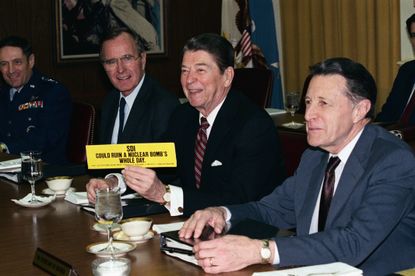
(64, 230)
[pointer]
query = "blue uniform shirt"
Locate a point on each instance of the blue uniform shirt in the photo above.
(38, 118)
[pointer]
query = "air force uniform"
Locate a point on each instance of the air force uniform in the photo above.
(36, 117)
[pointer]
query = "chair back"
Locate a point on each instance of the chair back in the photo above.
(81, 132)
(255, 83)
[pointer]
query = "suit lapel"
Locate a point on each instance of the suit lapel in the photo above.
(311, 197)
(352, 172)
(110, 117)
(221, 127)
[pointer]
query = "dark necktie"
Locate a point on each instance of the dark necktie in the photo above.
(327, 191)
(200, 146)
(121, 117)
(409, 109)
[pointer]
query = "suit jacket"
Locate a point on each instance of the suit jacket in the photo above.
(401, 90)
(242, 161)
(371, 221)
(148, 118)
(38, 118)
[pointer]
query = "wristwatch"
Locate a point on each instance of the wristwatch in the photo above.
(265, 252)
(166, 196)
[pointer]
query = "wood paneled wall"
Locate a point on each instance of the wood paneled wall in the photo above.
(35, 20)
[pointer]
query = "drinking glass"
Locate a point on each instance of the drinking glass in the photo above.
(292, 103)
(32, 170)
(108, 210)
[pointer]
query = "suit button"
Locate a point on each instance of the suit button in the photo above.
(8, 134)
(180, 209)
(29, 119)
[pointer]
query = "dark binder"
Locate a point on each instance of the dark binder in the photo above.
(170, 241)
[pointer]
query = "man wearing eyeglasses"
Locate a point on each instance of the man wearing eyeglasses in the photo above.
(145, 105)
(398, 106)
(34, 109)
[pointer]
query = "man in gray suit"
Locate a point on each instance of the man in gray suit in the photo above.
(370, 222)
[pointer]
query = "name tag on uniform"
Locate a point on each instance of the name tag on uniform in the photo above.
(118, 156)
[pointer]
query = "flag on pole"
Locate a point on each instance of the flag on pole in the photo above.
(250, 26)
(264, 35)
(236, 27)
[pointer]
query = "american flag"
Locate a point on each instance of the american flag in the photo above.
(245, 43)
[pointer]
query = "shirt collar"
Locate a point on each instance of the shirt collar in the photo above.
(212, 115)
(344, 154)
(131, 97)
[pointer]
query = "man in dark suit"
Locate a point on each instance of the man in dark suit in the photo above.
(366, 220)
(148, 105)
(34, 109)
(402, 89)
(242, 160)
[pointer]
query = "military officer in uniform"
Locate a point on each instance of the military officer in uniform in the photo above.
(34, 109)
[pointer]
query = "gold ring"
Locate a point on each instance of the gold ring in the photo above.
(211, 261)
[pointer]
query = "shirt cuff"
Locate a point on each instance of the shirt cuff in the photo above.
(276, 259)
(175, 206)
(121, 182)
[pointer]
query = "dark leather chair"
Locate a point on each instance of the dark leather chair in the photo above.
(81, 132)
(255, 83)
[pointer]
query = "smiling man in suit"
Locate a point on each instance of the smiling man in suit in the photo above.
(143, 105)
(236, 157)
(361, 212)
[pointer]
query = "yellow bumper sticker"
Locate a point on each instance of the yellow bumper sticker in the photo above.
(119, 156)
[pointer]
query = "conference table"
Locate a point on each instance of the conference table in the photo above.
(64, 230)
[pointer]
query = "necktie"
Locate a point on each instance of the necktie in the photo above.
(200, 146)
(121, 117)
(327, 191)
(12, 93)
(409, 109)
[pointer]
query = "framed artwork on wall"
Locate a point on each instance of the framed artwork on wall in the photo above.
(80, 25)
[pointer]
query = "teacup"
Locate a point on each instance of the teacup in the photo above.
(136, 228)
(59, 184)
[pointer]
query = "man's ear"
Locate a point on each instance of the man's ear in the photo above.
(31, 60)
(228, 75)
(361, 109)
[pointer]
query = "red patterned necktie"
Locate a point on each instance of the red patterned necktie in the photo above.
(200, 146)
(327, 191)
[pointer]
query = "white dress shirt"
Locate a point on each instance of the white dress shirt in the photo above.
(129, 101)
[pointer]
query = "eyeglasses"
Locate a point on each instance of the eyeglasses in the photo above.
(110, 64)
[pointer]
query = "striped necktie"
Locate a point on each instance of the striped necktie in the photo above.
(327, 191)
(200, 146)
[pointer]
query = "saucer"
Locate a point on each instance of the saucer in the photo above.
(121, 236)
(122, 248)
(25, 201)
(48, 191)
(102, 228)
